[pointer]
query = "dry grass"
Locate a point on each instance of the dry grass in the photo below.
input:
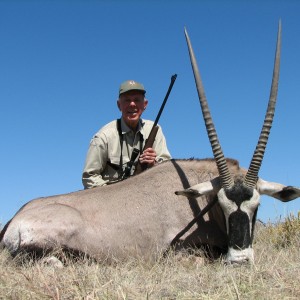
(275, 274)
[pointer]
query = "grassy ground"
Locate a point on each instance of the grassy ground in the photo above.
(275, 274)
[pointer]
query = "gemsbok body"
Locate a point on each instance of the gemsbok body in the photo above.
(143, 216)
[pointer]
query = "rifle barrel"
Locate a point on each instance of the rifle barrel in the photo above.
(173, 78)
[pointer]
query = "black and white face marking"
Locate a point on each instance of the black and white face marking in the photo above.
(239, 205)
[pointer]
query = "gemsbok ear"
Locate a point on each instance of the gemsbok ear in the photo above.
(201, 189)
(277, 190)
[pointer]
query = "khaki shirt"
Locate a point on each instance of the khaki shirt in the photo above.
(104, 153)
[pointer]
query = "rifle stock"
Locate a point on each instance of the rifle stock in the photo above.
(149, 143)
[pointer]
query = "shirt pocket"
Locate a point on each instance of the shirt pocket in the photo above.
(112, 168)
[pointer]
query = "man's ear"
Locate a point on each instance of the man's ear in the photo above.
(118, 104)
(145, 103)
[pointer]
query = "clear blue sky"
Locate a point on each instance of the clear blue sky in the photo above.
(61, 63)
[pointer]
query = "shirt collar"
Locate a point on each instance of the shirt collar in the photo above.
(125, 129)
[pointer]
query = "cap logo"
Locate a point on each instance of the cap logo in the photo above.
(131, 82)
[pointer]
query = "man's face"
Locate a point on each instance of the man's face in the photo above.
(132, 104)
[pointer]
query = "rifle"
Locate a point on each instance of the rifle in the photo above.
(151, 138)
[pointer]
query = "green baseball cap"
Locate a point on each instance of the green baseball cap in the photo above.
(131, 85)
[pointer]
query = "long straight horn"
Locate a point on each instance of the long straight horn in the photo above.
(252, 174)
(226, 178)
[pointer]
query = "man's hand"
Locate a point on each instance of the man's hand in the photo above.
(148, 157)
